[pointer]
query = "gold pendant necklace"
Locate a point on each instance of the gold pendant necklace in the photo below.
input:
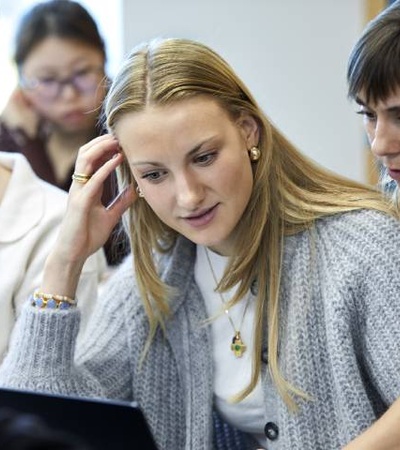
(238, 347)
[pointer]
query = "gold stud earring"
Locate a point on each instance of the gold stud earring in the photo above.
(254, 154)
(139, 192)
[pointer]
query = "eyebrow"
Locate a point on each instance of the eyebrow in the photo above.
(190, 153)
(392, 109)
(359, 101)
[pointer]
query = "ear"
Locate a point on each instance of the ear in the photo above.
(249, 129)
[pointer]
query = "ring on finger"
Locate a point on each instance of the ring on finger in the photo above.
(81, 177)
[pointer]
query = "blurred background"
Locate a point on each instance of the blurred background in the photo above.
(291, 54)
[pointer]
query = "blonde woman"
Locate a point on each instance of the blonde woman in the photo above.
(259, 306)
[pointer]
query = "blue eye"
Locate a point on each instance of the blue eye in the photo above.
(151, 176)
(154, 176)
(206, 158)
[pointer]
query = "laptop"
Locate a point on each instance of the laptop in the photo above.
(100, 424)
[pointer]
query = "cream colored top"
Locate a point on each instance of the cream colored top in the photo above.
(30, 214)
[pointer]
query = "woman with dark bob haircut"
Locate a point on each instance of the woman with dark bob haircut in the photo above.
(373, 76)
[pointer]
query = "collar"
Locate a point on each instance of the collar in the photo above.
(178, 271)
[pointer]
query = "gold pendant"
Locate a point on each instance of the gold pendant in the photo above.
(238, 347)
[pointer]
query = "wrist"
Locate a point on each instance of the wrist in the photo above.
(61, 276)
(44, 300)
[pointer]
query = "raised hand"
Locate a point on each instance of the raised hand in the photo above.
(20, 114)
(87, 222)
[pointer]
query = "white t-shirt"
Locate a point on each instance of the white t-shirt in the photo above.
(231, 374)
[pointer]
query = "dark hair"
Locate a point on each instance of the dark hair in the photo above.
(374, 62)
(61, 18)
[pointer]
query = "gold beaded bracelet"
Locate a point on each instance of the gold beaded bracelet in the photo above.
(52, 301)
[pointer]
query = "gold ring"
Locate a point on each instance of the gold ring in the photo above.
(81, 177)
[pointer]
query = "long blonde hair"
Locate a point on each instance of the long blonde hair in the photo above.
(290, 191)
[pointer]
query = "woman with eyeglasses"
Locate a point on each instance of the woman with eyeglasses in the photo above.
(60, 56)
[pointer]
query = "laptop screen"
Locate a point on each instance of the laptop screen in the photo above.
(99, 424)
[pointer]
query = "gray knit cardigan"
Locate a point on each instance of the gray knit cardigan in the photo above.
(339, 343)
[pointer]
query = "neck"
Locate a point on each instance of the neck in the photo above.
(66, 139)
(62, 148)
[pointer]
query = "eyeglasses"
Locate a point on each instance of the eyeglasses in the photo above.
(84, 81)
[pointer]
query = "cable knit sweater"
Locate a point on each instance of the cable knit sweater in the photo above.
(339, 342)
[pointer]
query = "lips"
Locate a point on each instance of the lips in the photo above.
(73, 114)
(203, 218)
(395, 174)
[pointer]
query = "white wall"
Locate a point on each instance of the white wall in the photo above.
(109, 22)
(292, 54)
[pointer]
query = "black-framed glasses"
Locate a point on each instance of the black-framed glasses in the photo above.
(84, 81)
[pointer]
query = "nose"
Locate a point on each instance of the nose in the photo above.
(189, 191)
(384, 139)
(68, 90)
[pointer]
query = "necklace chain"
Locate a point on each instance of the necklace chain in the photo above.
(238, 347)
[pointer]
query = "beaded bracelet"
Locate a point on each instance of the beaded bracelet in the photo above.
(51, 301)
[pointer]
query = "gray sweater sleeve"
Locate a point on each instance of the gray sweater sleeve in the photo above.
(47, 354)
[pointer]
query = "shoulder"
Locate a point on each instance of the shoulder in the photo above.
(175, 269)
(358, 254)
(121, 286)
(51, 201)
(169, 265)
(350, 260)
(362, 244)
(26, 184)
(366, 227)
(353, 240)
(30, 205)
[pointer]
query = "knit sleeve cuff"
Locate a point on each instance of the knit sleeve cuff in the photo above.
(41, 339)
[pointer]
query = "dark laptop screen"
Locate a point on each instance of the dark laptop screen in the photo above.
(100, 424)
